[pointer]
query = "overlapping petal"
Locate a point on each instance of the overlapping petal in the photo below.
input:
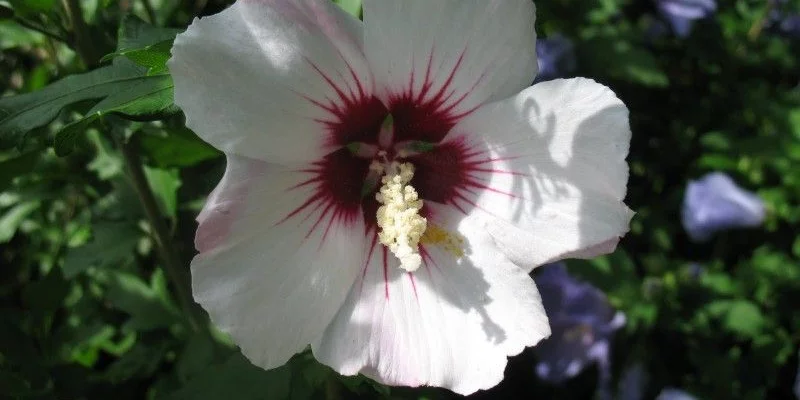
(447, 57)
(452, 323)
(260, 78)
(271, 272)
(547, 169)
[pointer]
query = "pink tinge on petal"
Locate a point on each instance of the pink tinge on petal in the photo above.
(452, 323)
(219, 213)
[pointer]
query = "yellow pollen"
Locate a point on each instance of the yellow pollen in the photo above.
(450, 242)
(398, 216)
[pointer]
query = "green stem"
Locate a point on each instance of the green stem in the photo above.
(53, 54)
(151, 12)
(83, 38)
(758, 26)
(34, 27)
(169, 258)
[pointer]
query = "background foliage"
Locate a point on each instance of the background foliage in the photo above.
(89, 309)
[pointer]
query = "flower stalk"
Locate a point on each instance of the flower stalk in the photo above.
(161, 234)
(34, 27)
(81, 36)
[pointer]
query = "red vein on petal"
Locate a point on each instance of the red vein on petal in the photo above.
(336, 215)
(361, 92)
(386, 272)
(369, 254)
(313, 199)
(426, 83)
(423, 251)
(458, 207)
(437, 98)
(413, 284)
(339, 92)
(324, 213)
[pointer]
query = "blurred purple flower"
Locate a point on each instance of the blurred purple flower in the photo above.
(674, 394)
(791, 25)
(784, 21)
(582, 324)
(714, 203)
(556, 57)
(681, 14)
(696, 270)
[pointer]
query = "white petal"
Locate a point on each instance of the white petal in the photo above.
(451, 324)
(547, 168)
(256, 79)
(273, 283)
(465, 52)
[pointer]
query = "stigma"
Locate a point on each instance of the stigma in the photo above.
(401, 225)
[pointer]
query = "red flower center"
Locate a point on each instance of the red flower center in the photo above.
(445, 172)
(343, 177)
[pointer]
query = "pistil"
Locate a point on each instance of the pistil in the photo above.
(399, 217)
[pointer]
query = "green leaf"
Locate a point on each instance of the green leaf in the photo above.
(153, 57)
(353, 7)
(139, 92)
(64, 141)
(134, 34)
(624, 60)
(720, 283)
(14, 35)
(146, 307)
(107, 164)
(140, 361)
(11, 220)
(738, 316)
(28, 7)
(144, 44)
(16, 166)
(178, 148)
(165, 184)
(744, 318)
(121, 88)
(719, 141)
(236, 375)
(113, 245)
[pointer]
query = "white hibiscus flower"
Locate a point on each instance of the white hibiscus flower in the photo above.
(481, 179)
